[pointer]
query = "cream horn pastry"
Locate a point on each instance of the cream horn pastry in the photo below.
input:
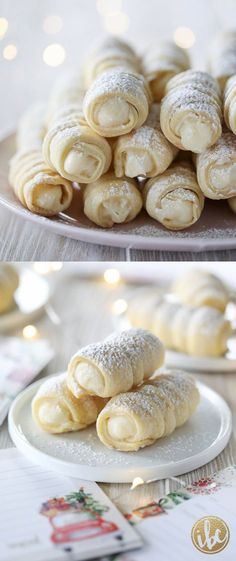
(116, 364)
(232, 204)
(144, 152)
(110, 200)
(154, 410)
(174, 198)
(109, 54)
(117, 102)
(191, 111)
(9, 281)
(216, 168)
(230, 104)
(161, 62)
(37, 186)
(70, 146)
(201, 288)
(55, 409)
(222, 57)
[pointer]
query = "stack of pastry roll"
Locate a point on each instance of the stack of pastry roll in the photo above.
(162, 61)
(222, 57)
(117, 102)
(109, 54)
(191, 111)
(111, 200)
(9, 281)
(201, 288)
(145, 151)
(155, 409)
(70, 146)
(198, 331)
(174, 198)
(216, 168)
(230, 104)
(38, 187)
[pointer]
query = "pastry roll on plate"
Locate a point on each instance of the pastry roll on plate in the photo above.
(230, 104)
(201, 288)
(216, 168)
(9, 281)
(144, 152)
(56, 410)
(222, 57)
(191, 111)
(70, 146)
(111, 201)
(161, 62)
(37, 186)
(155, 409)
(117, 102)
(174, 198)
(115, 365)
(109, 54)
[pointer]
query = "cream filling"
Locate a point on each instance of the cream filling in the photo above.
(195, 135)
(120, 428)
(89, 378)
(113, 112)
(176, 212)
(223, 177)
(49, 197)
(80, 164)
(52, 415)
(117, 210)
(137, 163)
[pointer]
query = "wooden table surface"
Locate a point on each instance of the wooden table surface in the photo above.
(24, 241)
(79, 313)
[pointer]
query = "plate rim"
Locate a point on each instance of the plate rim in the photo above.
(114, 474)
(106, 237)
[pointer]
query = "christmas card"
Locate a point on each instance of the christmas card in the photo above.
(48, 517)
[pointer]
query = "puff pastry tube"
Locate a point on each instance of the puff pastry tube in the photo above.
(117, 102)
(201, 288)
(201, 331)
(37, 186)
(70, 146)
(222, 57)
(191, 111)
(216, 168)
(109, 54)
(9, 281)
(144, 152)
(110, 200)
(155, 409)
(116, 364)
(174, 198)
(56, 410)
(161, 62)
(230, 104)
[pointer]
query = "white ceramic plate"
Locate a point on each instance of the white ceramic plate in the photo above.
(216, 228)
(82, 455)
(31, 296)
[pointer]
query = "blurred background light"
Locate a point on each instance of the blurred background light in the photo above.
(30, 331)
(54, 54)
(184, 37)
(106, 6)
(116, 23)
(10, 52)
(112, 276)
(3, 27)
(52, 24)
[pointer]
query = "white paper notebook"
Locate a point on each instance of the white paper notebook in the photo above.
(46, 517)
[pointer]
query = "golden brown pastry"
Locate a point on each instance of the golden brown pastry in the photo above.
(216, 168)
(201, 288)
(161, 62)
(174, 198)
(116, 364)
(145, 151)
(191, 111)
(155, 409)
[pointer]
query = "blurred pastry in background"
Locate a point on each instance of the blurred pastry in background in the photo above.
(9, 281)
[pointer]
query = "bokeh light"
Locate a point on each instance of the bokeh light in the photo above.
(116, 23)
(184, 37)
(54, 54)
(10, 52)
(3, 27)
